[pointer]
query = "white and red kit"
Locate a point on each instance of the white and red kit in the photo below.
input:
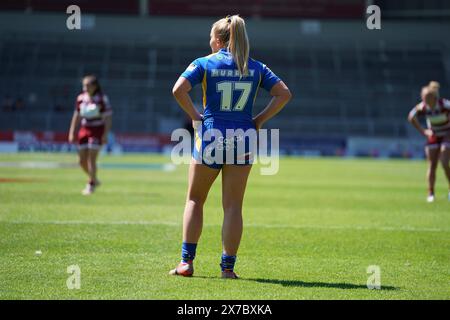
(92, 111)
(438, 121)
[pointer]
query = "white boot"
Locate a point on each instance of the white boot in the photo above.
(88, 190)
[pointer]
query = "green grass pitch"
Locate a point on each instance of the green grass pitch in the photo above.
(310, 232)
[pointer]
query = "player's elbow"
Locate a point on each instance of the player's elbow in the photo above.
(175, 91)
(284, 92)
(178, 89)
(286, 95)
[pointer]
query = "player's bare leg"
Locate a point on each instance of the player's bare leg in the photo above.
(445, 161)
(92, 171)
(201, 178)
(93, 155)
(83, 160)
(84, 164)
(234, 182)
(433, 160)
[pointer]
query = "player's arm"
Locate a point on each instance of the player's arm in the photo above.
(107, 118)
(180, 92)
(412, 118)
(73, 125)
(280, 97)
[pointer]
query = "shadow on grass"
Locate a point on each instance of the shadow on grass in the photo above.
(304, 284)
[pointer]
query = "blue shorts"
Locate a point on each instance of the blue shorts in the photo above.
(219, 142)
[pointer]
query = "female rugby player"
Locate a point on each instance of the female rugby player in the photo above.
(93, 114)
(230, 81)
(437, 113)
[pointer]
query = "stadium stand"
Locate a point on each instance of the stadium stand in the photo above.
(342, 91)
(346, 80)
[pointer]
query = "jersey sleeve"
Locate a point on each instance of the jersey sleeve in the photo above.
(194, 72)
(446, 104)
(418, 110)
(268, 78)
(106, 109)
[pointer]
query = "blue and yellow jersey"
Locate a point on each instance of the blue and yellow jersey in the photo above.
(226, 95)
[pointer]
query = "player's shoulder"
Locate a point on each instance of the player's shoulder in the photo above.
(258, 65)
(202, 61)
(81, 96)
(420, 107)
(255, 63)
(213, 58)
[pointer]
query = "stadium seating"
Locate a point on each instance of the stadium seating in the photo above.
(338, 91)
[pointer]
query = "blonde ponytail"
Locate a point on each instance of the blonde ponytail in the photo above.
(434, 87)
(231, 31)
(239, 45)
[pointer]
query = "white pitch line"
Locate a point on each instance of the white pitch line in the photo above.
(254, 225)
(37, 165)
(168, 167)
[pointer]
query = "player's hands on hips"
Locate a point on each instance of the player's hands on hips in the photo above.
(197, 122)
(104, 139)
(428, 133)
(71, 138)
(258, 124)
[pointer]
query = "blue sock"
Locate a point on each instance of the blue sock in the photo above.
(188, 251)
(228, 262)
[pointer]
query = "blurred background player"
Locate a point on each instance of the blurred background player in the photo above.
(230, 47)
(94, 116)
(437, 113)
(435, 86)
